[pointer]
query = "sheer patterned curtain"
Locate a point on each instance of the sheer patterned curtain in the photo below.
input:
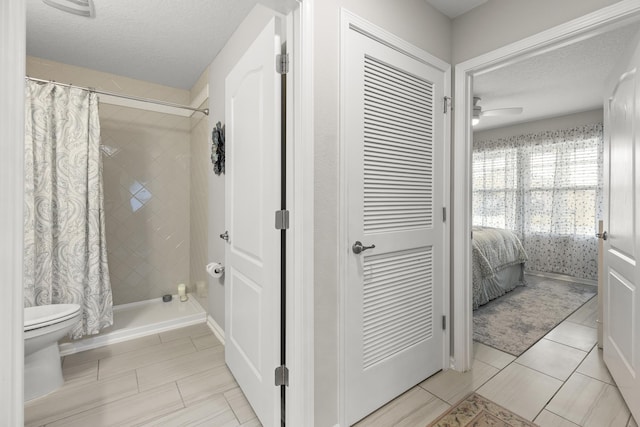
(65, 255)
(547, 187)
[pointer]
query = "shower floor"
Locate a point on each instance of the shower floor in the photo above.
(139, 319)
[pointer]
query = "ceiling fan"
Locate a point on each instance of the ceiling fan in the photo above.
(477, 111)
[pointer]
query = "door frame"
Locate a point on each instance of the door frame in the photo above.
(594, 23)
(348, 22)
(12, 72)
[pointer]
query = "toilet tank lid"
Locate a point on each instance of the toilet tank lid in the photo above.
(48, 313)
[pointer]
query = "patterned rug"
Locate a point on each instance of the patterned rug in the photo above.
(477, 411)
(518, 319)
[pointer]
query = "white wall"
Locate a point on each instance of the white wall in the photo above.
(419, 24)
(241, 39)
(569, 121)
(497, 23)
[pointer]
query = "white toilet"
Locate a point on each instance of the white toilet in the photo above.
(44, 325)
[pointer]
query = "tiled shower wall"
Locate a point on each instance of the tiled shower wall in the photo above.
(146, 158)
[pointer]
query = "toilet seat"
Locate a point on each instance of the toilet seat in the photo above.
(45, 315)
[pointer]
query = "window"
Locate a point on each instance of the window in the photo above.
(547, 188)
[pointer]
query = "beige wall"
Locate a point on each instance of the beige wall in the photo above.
(241, 39)
(200, 163)
(419, 24)
(568, 121)
(497, 23)
(146, 183)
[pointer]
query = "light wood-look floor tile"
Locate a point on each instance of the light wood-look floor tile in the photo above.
(144, 356)
(204, 412)
(206, 385)
(587, 314)
(188, 331)
(130, 411)
(521, 390)
(632, 422)
(552, 358)
(239, 405)
(588, 402)
(85, 372)
(574, 335)
(74, 398)
(549, 419)
(491, 356)
(252, 423)
(394, 412)
(110, 350)
(205, 341)
(153, 375)
(451, 386)
(593, 366)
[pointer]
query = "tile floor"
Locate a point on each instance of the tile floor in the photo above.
(561, 381)
(169, 379)
(180, 378)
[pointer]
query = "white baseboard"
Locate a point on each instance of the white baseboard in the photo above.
(562, 277)
(215, 328)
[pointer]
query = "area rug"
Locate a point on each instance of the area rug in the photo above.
(518, 319)
(477, 411)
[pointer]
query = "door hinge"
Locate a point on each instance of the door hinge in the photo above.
(447, 104)
(444, 214)
(444, 323)
(282, 63)
(282, 220)
(282, 376)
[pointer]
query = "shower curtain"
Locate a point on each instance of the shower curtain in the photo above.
(65, 254)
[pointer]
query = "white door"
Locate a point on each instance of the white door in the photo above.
(622, 243)
(252, 195)
(395, 183)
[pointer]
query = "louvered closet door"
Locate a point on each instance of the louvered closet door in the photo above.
(395, 184)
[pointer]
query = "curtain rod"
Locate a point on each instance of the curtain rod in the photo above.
(119, 95)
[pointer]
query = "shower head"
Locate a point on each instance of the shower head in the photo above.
(77, 7)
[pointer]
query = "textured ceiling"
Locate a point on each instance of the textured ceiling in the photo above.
(453, 8)
(161, 41)
(563, 81)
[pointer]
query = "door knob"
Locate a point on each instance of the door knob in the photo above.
(602, 235)
(359, 247)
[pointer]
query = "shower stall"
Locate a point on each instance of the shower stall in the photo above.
(155, 164)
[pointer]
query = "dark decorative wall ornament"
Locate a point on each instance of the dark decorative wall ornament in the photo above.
(217, 148)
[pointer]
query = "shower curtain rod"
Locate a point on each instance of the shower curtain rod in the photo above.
(119, 95)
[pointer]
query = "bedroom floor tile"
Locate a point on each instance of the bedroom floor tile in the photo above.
(593, 366)
(521, 390)
(549, 419)
(587, 314)
(552, 358)
(491, 356)
(632, 422)
(574, 335)
(589, 402)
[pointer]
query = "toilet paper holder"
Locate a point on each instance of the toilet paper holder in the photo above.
(219, 270)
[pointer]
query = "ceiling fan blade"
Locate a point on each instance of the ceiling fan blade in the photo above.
(503, 112)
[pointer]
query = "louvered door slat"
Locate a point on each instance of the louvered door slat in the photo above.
(396, 299)
(411, 172)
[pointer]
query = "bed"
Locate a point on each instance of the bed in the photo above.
(498, 263)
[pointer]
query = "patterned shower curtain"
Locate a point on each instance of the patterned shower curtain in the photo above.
(65, 254)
